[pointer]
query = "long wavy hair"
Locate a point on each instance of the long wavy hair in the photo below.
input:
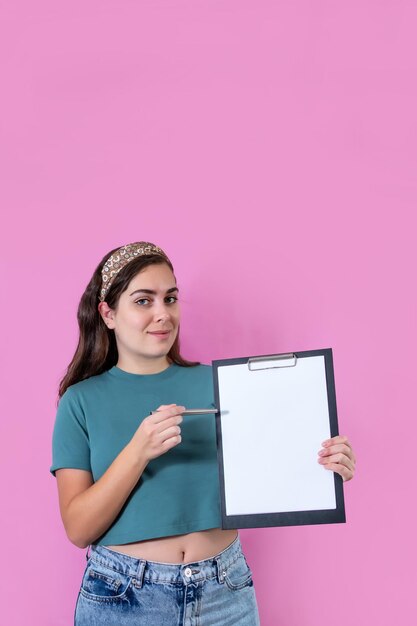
(97, 349)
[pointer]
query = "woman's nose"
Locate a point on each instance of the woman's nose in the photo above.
(162, 313)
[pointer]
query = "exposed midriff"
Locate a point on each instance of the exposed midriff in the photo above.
(178, 549)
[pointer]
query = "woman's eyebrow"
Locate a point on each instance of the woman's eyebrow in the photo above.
(152, 292)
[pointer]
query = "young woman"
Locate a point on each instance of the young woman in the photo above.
(141, 490)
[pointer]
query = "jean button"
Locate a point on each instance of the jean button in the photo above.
(187, 572)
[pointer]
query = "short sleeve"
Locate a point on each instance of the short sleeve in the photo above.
(70, 442)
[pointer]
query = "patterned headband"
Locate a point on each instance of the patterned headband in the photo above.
(122, 257)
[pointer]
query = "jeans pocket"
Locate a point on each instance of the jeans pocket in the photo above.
(238, 574)
(103, 584)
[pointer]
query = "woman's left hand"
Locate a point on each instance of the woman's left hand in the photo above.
(337, 455)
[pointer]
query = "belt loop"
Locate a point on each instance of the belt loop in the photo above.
(86, 554)
(220, 571)
(140, 573)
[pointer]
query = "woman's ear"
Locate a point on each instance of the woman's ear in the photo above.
(107, 314)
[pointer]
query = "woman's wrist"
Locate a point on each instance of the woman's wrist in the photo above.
(137, 455)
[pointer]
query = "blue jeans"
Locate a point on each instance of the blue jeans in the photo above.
(120, 590)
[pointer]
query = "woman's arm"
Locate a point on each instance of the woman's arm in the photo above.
(89, 508)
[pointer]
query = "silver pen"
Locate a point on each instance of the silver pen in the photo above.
(195, 412)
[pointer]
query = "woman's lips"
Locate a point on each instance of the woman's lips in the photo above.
(161, 335)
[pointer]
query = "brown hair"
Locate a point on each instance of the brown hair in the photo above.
(97, 349)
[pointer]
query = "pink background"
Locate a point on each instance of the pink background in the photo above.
(270, 148)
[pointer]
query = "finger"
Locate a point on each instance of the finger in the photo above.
(335, 440)
(172, 441)
(170, 411)
(168, 423)
(339, 458)
(344, 472)
(169, 433)
(341, 447)
(340, 440)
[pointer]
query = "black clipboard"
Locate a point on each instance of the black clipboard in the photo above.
(259, 399)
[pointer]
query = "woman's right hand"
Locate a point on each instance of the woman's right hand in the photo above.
(159, 432)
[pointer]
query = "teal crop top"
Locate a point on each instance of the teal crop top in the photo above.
(178, 491)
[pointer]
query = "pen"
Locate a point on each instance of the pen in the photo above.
(195, 412)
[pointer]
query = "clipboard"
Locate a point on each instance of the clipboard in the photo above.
(274, 411)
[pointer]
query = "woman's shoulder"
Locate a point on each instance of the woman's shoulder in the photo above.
(201, 367)
(86, 385)
(197, 372)
(204, 366)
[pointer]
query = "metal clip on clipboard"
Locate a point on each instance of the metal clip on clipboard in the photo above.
(271, 362)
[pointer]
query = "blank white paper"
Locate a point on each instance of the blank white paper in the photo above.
(273, 422)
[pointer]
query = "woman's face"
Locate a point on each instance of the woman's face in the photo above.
(146, 320)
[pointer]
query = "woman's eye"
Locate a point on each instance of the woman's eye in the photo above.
(169, 300)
